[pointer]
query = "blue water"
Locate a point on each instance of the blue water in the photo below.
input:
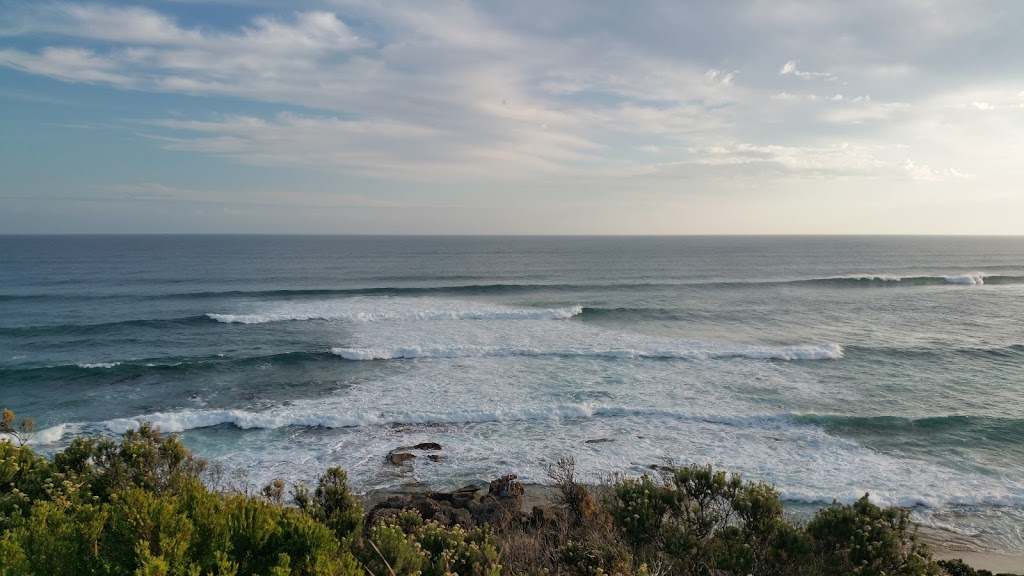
(829, 366)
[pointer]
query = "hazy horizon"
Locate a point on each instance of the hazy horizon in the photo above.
(653, 118)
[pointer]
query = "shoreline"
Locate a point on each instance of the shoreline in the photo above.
(942, 544)
(943, 547)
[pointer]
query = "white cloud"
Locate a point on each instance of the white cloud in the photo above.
(807, 161)
(925, 173)
(862, 110)
(790, 69)
(71, 64)
(379, 147)
(558, 94)
(716, 76)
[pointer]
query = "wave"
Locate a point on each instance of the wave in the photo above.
(852, 280)
(88, 365)
(103, 327)
(939, 487)
(868, 280)
(332, 313)
(313, 414)
(315, 417)
(808, 352)
(42, 437)
(58, 373)
(991, 428)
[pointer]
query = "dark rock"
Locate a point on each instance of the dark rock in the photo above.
(506, 487)
(399, 458)
(598, 440)
(500, 506)
(436, 457)
(546, 516)
(426, 446)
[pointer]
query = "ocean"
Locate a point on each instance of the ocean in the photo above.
(830, 367)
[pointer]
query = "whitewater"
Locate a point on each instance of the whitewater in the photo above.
(828, 366)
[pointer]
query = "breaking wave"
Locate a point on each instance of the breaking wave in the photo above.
(42, 437)
(809, 352)
(315, 416)
(340, 313)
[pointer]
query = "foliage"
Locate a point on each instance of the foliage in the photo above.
(140, 507)
(864, 539)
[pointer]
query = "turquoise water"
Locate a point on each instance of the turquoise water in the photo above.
(829, 366)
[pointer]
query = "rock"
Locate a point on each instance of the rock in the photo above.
(399, 458)
(500, 506)
(506, 487)
(598, 440)
(426, 446)
(546, 516)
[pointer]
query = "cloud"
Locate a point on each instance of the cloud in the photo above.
(372, 147)
(574, 96)
(71, 64)
(716, 76)
(806, 161)
(790, 69)
(862, 110)
(158, 192)
(925, 173)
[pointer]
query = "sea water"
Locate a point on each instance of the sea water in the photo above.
(830, 367)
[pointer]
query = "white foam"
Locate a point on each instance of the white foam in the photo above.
(970, 278)
(973, 278)
(98, 364)
(309, 416)
(42, 437)
(872, 277)
(696, 352)
(391, 309)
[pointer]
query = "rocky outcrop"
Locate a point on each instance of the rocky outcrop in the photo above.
(500, 506)
(404, 455)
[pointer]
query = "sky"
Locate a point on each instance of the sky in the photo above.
(525, 117)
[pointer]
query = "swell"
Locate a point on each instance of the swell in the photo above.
(1008, 352)
(1011, 426)
(167, 365)
(680, 352)
(333, 314)
(103, 327)
(851, 281)
(888, 280)
(126, 367)
(314, 416)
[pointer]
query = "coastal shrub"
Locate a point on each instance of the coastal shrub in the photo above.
(336, 505)
(142, 459)
(959, 568)
(863, 539)
(389, 550)
(24, 478)
(638, 507)
(21, 431)
(443, 550)
(140, 506)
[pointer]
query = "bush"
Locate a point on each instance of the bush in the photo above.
(139, 506)
(863, 539)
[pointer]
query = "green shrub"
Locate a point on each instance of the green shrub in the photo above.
(638, 507)
(864, 539)
(139, 507)
(389, 550)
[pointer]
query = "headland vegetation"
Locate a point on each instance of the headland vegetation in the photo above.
(144, 505)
